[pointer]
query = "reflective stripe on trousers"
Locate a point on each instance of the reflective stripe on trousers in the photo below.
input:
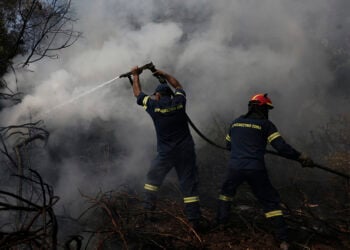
(274, 213)
(191, 199)
(150, 187)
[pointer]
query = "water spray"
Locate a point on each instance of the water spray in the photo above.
(149, 66)
(80, 96)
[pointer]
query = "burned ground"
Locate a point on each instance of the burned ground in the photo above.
(315, 205)
(116, 220)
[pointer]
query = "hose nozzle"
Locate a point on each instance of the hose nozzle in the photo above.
(149, 66)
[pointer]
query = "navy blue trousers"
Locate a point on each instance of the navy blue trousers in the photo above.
(263, 190)
(184, 162)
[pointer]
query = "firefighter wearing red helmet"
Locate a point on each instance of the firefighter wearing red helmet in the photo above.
(247, 138)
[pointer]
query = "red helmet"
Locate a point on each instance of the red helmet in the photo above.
(260, 100)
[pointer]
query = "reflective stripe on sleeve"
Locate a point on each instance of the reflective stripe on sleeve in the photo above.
(273, 213)
(144, 102)
(151, 187)
(273, 136)
(179, 93)
(191, 199)
(228, 138)
(225, 198)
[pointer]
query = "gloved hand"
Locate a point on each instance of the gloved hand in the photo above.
(305, 161)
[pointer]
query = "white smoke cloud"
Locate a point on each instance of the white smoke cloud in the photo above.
(222, 51)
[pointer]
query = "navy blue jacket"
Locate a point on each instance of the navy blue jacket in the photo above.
(247, 139)
(170, 120)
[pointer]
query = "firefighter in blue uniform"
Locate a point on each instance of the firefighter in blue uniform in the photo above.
(247, 139)
(175, 146)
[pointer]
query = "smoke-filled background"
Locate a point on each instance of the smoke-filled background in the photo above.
(221, 51)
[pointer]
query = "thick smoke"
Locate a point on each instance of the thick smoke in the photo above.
(222, 52)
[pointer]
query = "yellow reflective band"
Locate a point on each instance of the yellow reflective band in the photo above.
(274, 213)
(191, 199)
(228, 138)
(225, 198)
(168, 109)
(144, 102)
(273, 136)
(179, 93)
(151, 187)
(246, 125)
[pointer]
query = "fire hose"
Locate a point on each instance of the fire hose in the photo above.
(152, 68)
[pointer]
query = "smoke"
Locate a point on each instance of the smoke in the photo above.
(222, 52)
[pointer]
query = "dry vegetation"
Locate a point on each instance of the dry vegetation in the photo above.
(317, 210)
(116, 220)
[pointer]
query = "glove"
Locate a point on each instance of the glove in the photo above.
(305, 161)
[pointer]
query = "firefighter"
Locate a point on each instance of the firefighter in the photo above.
(247, 138)
(175, 145)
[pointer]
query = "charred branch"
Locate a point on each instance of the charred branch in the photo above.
(123, 223)
(20, 135)
(40, 229)
(51, 31)
(126, 220)
(36, 29)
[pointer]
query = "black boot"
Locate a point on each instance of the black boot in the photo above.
(223, 212)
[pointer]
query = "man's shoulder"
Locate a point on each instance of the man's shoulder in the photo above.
(250, 120)
(141, 94)
(180, 91)
(143, 99)
(269, 122)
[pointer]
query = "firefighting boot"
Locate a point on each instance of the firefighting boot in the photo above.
(223, 212)
(150, 201)
(280, 231)
(200, 225)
